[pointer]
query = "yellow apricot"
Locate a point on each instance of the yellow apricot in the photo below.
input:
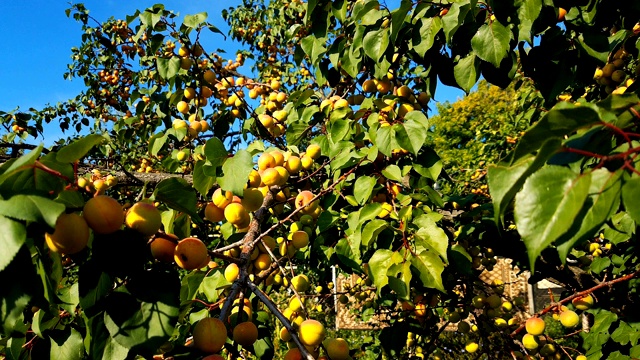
(252, 199)
(311, 332)
(262, 262)
(471, 347)
(255, 180)
(236, 214)
(271, 177)
(293, 354)
(313, 151)
(70, 235)
(569, 318)
(300, 239)
(209, 335)
(530, 342)
(213, 213)
(293, 164)
(265, 161)
(278, 157)
(535, 326)
(337, 349)
(222, 199)
(191, 253)
(306, 162)
(245, 333)
(284, 174)
(103, 214)
(404, 92)
(144, 218)
(385, 210)
(303, 199)
(300, 283)
(182, 107)
(583, 303)
(369, 86)
(163, 248)
(231, 272)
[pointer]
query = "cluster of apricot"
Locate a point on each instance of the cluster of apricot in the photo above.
(612, 76)
(534, 340)
(406, 100)
(97, 182)
(102, 215)
(146, 166)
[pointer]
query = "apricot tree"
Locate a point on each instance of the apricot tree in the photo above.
(201, 211)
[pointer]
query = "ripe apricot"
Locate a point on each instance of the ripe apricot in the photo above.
(103, 214)
(213, 213)
(300, 283)
(191, 253)
(569, 318)
(535, 326)
(70, 236)
(304, 200)
(583, 303)
(293, 354)
(306, 161)
(231, 272)
(163, 248)
(213, 357)
(144, 217)
(313, 151)
(369, 86)
(182, 107)
(300, 239)
(252, 199)
(530, 342)
(266, 161)
(237, 215)
(311, 332)
(209, 335)
(284, 175)
(245, 333)
(271, 177)
(337, 349)
(293, 164)
(471, 347)
(222, 198)
(262, 262)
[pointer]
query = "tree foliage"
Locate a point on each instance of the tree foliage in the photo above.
(203, 197)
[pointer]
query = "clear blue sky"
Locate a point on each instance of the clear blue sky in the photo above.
(40, 37)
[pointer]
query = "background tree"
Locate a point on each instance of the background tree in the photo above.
(329, 168)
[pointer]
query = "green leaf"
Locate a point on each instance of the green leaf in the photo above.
(375, 43)
(430, 268)
(236, 172)
(193, 21)
(21, 284)
(528, 12)
(295, 132)
(603, 201)
(383, 139)
(12, 236)
(144, 318)
(595, 45)
(392, 172)
(337, 130)
(178, 195)
(10, 168)
(430, 236)
(363, 187)
(505, 181)
(93, 286)
(348, 251)
(215, 152)
(467, 72)
(398, 17)
(31, 208)
(79, 148)
(201, 181)
(379, 264)
(563, 119)
(425, 33)
(630, 196)
(411, 134)
(168, 68)
(67, 344)
(372, 230)
(213, 285)
(314, 47)
(547, 205)
(455, 18)
(491, 42)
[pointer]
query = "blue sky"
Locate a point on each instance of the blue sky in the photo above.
(31, 72)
